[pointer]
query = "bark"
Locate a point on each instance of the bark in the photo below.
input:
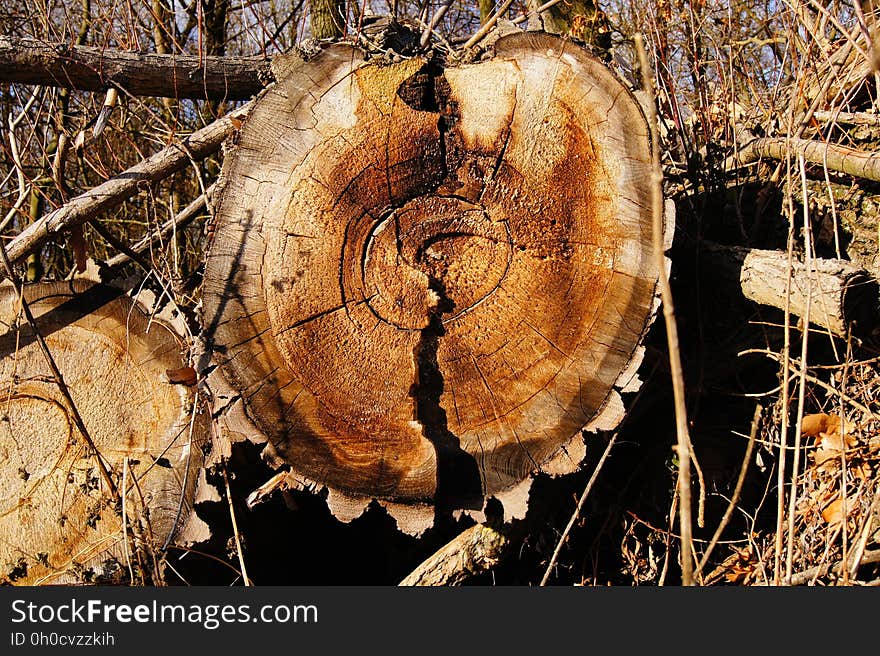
(474, 551)
(424, 282)
(327, 19)
(28, 61)
(842, 295)
(582, 19)
(118, 189)
(840, 159)
(58, 526)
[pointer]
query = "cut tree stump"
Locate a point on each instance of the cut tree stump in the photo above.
(425, 281)
(58, 523)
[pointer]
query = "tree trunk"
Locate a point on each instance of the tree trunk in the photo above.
(582, 19)
(424, 282)
(58, 524)
(327, 19)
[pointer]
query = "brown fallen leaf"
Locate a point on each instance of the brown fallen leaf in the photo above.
(812, 425)
(183, 376)
(739, 568)
(829, 445)
(833, 512)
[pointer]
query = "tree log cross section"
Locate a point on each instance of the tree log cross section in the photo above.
(58, 524)
(424, 281)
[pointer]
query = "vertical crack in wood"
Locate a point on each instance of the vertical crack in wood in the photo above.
(459, 483)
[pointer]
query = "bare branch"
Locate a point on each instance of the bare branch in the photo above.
(118, 189)
(837, 158)
(29, 61)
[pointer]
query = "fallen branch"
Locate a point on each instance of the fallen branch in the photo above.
(831, 568)
(847, 118)
(120, 188)
(179, 221)
(837, 158)
(843, 296)
(472, 552)
(28, 61)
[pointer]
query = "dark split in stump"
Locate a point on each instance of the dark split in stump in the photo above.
(424, 281)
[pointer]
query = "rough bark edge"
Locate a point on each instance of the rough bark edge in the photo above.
(190, 528)
(568, 459)
(233, 424)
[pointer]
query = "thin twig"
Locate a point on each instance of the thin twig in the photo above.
(238, 549)
(118, 244)
(435, 20)
(538, 11)
(23, 187)
(821, 383)
(808, 265)
(56, 373)
(577, 510)
(125, 547)
(865, 533)
(488, 25)
(784, 401)
(736, 492)
(681, 429)
(118, 189)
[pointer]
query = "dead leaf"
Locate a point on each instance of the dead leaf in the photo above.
(183, 376)
(833, 512)
(739, 568)
(829, 445)
(812, 425)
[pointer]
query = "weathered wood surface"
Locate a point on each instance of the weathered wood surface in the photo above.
(57, 524)
(473, 551)
(28, 61)
(424, 282)
(841, 296)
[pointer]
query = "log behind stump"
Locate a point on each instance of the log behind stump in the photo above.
(425, 281)
(58, 524)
